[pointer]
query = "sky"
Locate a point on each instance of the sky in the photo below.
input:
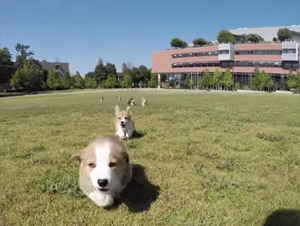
(79, 32)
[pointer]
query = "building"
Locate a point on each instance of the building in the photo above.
(267, 33)
(59, 67)
(276, 59)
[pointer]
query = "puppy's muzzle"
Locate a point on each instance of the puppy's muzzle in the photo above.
(122, 123)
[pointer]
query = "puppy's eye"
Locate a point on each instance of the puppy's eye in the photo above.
(119, 118)
(112, 164)
(92, 165)
(126, 118)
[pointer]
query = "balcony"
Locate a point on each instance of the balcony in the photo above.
(290, 51)
(226, 52)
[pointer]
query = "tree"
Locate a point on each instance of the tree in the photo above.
(217, 78)
(178, 43)
(111, 81)
(237, 86)
(261, 80)
(255, 78)
(275, 39)
(5, 57)
(127, 80)
(100, 73)
(78, 81)
(293, 81)
(190, 82)
(254, 38)
(225, 36)
(53, 80)
(66, 81)
(199, 42)
(206, 80)
(29, 77)
(144, 74)
(111, 69)
(284, 34)
(269, 83)
(22, 53)
(154, 80)
(227, 79)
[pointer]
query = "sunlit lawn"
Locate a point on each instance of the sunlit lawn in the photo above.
(218, 159)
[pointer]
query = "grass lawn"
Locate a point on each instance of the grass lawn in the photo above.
(218, 159)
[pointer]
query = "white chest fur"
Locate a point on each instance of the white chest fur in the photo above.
(125, 132)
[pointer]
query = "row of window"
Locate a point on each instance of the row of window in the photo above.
(244, 52)
(238, 64)
(195, 54)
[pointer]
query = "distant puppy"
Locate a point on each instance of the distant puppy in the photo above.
(124, 125)
(131, 102)
(119, 98)
(104, 170)
(101, 99)
(144, 102)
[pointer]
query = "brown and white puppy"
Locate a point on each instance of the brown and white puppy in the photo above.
(124, 125)
(131, 101)
(105, 170)
(144, 102)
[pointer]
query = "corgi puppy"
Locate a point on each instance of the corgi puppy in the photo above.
(104, 170)
(144, 102)
(124, 125)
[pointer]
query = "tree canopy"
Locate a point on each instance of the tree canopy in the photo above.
(226, 36)
(200, 42)
(28, 77)
(5, 57)
(284, 34)
(254, 38)
(178, 43)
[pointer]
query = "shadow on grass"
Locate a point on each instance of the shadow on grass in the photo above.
(140, 193)
(137, 135)
(284, 217)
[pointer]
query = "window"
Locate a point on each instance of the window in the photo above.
(238, 64)
(175, 56)
(289, 51)
(262, 64)
(255, 64)
(174, 65)
(269, 64)
(224, 51)
(191, 54)
(180, 65)
(191, 64)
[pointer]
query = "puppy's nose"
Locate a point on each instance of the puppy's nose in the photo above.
(122, 122)
(102, 183)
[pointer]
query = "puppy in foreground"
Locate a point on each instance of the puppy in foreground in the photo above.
(105, 170)
(131, 101)
(144, 102)
(124, 125)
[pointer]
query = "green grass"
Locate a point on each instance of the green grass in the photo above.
(218, 159)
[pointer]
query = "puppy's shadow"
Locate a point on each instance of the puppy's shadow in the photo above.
(137, 135)
(139, 193)
(284, 217)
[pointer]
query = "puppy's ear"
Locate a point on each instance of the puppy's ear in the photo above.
(77, 155)
(117, 109)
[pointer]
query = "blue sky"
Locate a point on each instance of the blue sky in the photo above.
(119, 31)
